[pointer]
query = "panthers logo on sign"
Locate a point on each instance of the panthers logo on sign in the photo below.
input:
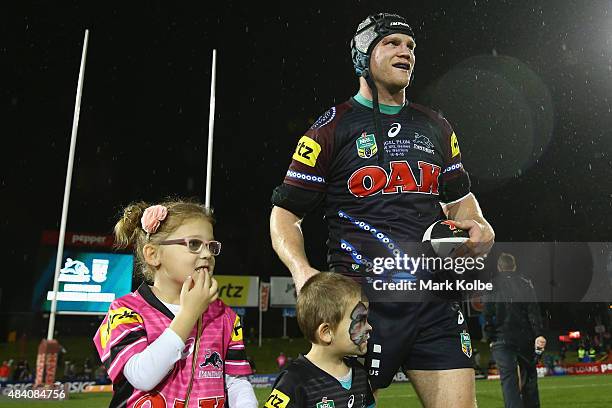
(237, 330)
(116, 317)
(307, 151)
(277, 399)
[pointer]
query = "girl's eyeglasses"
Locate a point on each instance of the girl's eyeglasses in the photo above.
(195, 245)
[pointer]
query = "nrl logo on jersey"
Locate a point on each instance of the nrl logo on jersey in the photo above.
(366, 145)
(325, 403)
(466, 343)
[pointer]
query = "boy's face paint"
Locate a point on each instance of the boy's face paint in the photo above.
(359, 330)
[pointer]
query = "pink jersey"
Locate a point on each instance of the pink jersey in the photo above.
(136, 320)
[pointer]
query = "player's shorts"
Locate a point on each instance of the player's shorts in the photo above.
(416, 336)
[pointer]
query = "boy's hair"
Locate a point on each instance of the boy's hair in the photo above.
(506, 263)
(324, 299)
(129, 232)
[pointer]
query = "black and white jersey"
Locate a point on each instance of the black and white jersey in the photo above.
(304, 385)
(379, 191)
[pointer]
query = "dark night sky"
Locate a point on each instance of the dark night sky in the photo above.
(526, 86)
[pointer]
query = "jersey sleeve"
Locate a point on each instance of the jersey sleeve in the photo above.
(120, 336)
(312, 157)
(235, 358)
(286, 393)
(455, 180)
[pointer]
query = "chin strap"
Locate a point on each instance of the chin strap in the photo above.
(378, 132)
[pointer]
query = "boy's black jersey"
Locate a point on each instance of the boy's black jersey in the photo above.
(378, 196)
(304, 385)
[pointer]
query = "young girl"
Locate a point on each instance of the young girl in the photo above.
(173, 343)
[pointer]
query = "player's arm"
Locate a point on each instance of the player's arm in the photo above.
(458, 203)
(468, 215)
(288, 242)
(302, 190)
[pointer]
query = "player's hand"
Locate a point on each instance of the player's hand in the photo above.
(302, 276)
(198, 291)
(540, 343)
(481, 239)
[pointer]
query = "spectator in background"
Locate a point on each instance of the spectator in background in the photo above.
(592, 354)
(26, 373)
(5, 371)
(514, 329)
(101, 377)
(562, 352)
(581, 353)
(69, 371)
(18, 371)
(281, 360)
(87, 370)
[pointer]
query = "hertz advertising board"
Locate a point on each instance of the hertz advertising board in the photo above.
(239, 291)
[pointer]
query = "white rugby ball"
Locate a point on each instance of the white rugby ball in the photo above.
(445, 237)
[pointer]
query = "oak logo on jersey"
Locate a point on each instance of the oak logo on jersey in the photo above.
(454, 145)
(307, 151)
(325, 403)
(366, 145)
(237, 330)
(466, 343)
(370, 180)
(117, 317)
(277, 399)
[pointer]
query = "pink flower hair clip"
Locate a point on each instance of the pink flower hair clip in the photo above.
(152, 218)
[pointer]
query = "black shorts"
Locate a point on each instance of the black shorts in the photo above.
(416, 336)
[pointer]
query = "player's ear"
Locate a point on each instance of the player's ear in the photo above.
(325, 334)
(151, 255)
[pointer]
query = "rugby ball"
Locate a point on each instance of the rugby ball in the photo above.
(445, 237)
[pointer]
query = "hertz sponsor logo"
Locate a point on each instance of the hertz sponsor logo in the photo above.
(307, 151)
(277, 399)
(454, 145)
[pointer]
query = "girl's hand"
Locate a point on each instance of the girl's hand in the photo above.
(198, 291)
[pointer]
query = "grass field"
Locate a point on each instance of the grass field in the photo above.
(572, 391)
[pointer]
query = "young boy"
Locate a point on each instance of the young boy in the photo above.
(334, 318)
